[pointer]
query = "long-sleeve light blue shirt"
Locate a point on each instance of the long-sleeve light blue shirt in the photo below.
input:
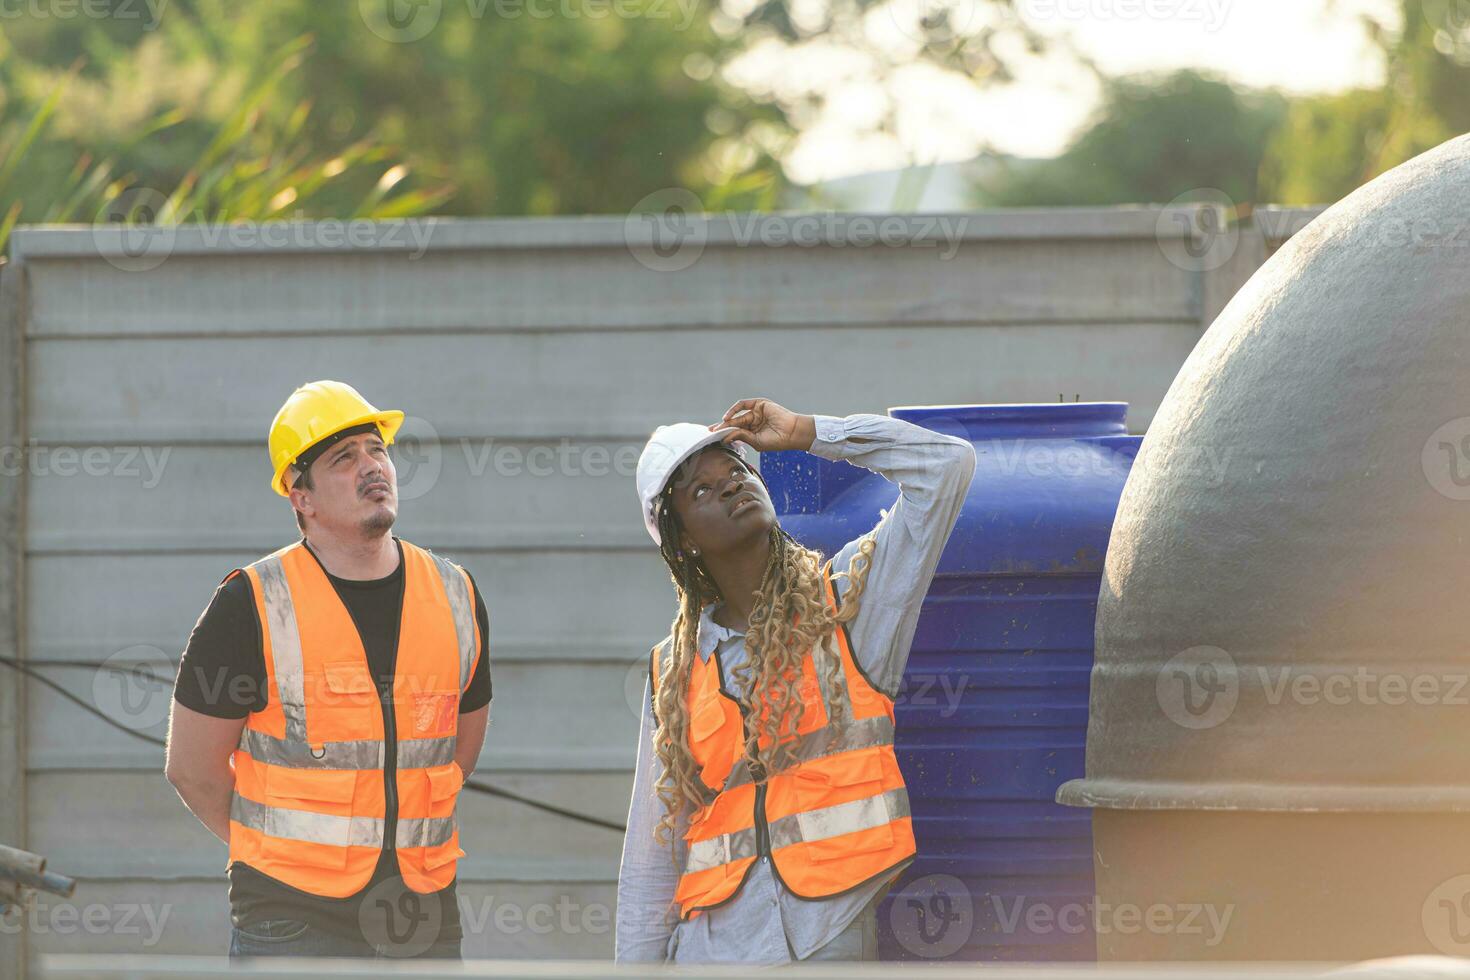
(764, 923)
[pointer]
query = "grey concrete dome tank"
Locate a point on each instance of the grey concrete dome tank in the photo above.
(1278, 753)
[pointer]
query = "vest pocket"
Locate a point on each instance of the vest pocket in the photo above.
(444, 781)
(857, 827)
(435, 713)
(838, 780)
(348, 707)
(707, 717)
(444, 784)
(311, 809)
(313, 785)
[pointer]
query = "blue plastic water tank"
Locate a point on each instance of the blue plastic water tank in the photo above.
(992, 717)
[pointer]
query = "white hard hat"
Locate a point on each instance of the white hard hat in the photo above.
(669, 446)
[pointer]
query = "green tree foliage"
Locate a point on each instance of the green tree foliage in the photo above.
(520, 112)
(1330, 145)
(244, 163)
(1152, 140)
(521, 106)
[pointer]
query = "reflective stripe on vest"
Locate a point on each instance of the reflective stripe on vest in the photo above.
(324, 828)
(837, 812)
(811, 825)
(309, 802)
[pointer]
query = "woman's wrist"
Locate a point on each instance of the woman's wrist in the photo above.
(805, 432)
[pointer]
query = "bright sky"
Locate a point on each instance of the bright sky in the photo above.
(1296, 45)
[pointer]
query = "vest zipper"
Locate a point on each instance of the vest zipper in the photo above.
(390, 725)
(762, 828)
(390, 768)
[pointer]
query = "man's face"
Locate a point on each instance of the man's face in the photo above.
(721, 503)
(354, 487)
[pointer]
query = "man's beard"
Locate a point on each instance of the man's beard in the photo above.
(379, 521)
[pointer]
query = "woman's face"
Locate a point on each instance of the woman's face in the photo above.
(721, 504)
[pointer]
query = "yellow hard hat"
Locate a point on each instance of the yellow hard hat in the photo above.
(315, 411)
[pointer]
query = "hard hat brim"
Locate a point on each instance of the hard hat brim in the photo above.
(697, 446)
(388, 423)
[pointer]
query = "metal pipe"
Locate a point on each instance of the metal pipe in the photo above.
(29, 870)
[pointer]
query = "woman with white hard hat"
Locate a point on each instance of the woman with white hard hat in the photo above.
(769, 815)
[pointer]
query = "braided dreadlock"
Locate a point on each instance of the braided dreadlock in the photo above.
(789, 617)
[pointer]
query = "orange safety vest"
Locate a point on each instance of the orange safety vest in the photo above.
(313, 773)
(835, 819)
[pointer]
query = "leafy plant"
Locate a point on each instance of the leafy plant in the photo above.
(256, 163)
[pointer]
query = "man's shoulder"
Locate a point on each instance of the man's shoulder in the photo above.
(443, 561)
(409, 548)
(234, 592)
(239, 572)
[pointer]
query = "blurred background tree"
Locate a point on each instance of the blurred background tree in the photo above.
(1155, 138)
(1152, 140)
(1331, 144)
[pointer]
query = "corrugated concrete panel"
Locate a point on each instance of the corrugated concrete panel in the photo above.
(153, 600)
(503, 840)
(608, 290)
(533, 357)
(13, 820)
(546, 386)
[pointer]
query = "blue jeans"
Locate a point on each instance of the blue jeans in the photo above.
(294, 937)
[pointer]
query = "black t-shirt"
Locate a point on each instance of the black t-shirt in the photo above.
(222, 674)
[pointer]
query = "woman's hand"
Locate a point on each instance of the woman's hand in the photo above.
(767, 427)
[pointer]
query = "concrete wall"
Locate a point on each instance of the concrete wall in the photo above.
(141, 371)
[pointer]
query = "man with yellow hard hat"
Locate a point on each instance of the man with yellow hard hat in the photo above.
(332, 700)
